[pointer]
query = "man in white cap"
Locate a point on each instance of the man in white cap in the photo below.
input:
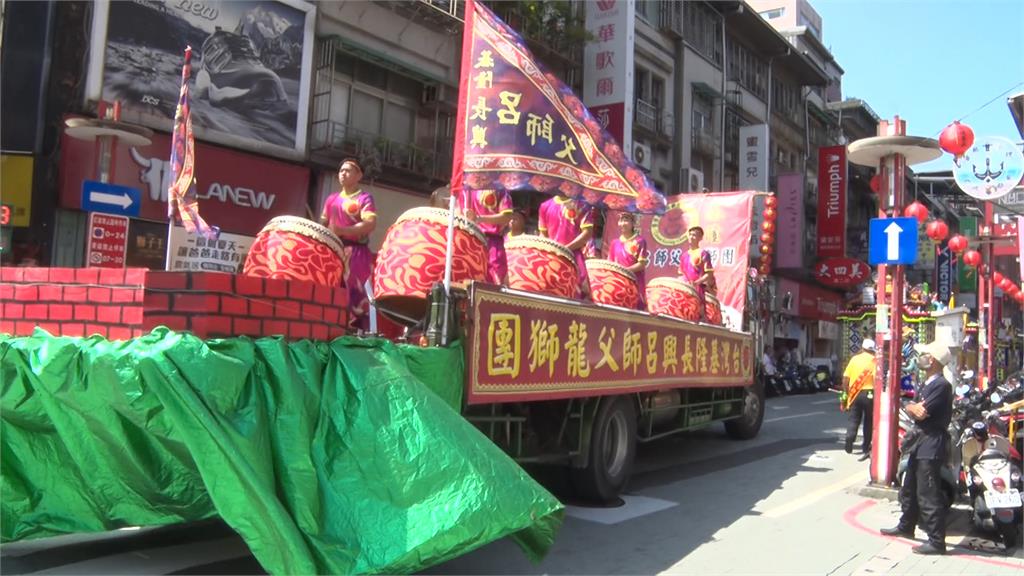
(859, 391)
(921, 499)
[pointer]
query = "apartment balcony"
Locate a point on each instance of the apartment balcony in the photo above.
(704, 143)
(653, 120)
(336, 140)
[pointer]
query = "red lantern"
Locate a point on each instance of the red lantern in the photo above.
(972, 258)
(875, 183)
(766, 249)
(916, 210)
(1004, 283)
(764, 269)
(767, 238)
(768, 226)
(1019, 296)
(1013, 289)
(956, 138)
(771, 202)
(769, 214)
(997, 278)
(937, 230)
(957, 244)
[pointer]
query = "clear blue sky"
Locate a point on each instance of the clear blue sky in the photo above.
(930, 61)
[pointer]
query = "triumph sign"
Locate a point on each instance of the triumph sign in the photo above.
(832, 202)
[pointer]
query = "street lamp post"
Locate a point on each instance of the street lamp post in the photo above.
(891, 151)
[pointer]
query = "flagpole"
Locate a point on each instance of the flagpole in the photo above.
(171, 212)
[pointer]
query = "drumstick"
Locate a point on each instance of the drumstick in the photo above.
(309, 213)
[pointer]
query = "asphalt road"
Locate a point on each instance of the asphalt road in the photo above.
(790, 501)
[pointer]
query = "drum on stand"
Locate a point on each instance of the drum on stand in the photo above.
(538, 264)
(411, 260)
(294, 248)
(673, 297)
(612, 284)
(712, 309)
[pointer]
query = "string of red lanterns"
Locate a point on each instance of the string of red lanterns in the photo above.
(768, 234)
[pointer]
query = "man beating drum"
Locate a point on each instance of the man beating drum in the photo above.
(490, 210)
(695, 266)
(571, 224)
(352, 215)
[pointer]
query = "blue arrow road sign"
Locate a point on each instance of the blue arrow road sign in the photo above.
(892, 241)
(110, 198)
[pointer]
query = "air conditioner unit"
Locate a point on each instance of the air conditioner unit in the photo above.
(434, 93)
(642, 155)
(691, 180)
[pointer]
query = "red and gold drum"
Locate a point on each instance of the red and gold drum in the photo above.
(538, 264)
(411, 260)
(712, 309)
(612, 283)
(673, 297)
(294, 248)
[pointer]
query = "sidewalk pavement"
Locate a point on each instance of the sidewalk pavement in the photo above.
(968, 551)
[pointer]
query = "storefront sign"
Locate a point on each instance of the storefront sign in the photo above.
(523, 348)
(16, 189)
(252, 67)
(608, 66)
(1008, 230)
(237, 192)
(832, 202)
(841, 272)
(990, 169)
(191, 252)
(828, 330)
(789, 224)
(945, 274)
(967, 276)
(147, 245)
(108, 240)
(754, 157)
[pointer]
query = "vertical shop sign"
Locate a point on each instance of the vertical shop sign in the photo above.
(754, 157)
(945, 272)
(608, 66)
(790, 224)
(967, 276)
(832, 202)
(108, 240)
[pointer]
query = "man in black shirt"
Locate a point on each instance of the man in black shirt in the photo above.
(921, 498)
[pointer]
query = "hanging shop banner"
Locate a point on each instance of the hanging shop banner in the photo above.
(990, 169)
(251, 71)
(925, 250)
(832, 202)
(841, 272)
(945, 274)
(789, 225)
(967, 276)
(108, 240)
(237, 192)
(725, 218)
(754, 157)
(147, 245)
(1007, 238)
(194, 253)
(608, 67)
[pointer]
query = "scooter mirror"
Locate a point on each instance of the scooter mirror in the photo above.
(996, 398)
(962, 389)
(967, 374)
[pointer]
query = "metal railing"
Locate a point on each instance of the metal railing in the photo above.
(376, 151)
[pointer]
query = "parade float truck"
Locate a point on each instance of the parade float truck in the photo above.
(558, 381)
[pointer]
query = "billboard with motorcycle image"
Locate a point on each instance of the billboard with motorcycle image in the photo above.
(250, 75)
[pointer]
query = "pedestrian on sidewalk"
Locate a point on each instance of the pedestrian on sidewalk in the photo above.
(921, 499)
(859, 392)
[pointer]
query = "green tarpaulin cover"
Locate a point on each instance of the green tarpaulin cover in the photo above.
(342, 457)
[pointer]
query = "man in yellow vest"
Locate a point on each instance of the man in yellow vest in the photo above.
(858, 389)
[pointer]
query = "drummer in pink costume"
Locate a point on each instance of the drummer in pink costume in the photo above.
(490, 210)
(352, 215)
(571, 224)
(630, 251)
(695, 266)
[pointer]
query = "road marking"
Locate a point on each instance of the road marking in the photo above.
(780, 407)
(633, 507)
(793, 416)
(829, 401)
(813, 497)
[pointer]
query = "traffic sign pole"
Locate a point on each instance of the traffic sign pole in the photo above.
(890, 151)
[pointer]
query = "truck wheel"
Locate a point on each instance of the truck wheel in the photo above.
(611, 452)
(747, 426)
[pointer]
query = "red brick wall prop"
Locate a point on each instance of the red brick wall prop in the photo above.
(127, 303)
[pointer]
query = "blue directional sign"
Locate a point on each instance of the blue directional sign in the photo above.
(110, 198)
(892, 241)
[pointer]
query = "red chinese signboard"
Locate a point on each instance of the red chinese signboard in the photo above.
(108, 240)
(525, 348)
(841, 272)
(237, 192)
(832, 202)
